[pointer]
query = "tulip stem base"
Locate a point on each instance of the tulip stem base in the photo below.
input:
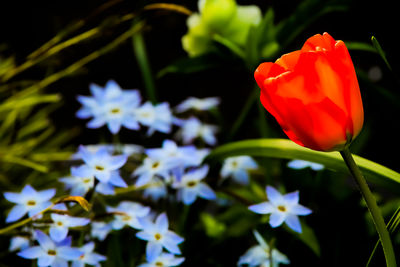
(372, 207)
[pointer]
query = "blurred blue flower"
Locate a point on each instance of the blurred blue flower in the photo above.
(184, 156)
(190, 186)
(237, 168)
(18, 243)
(128, 213)
(156, 118)
(101, 163)
(100, 230)
(89, 257)
(153, 167)
(50, 253)
(158, 236)
(298, 164)
(261, 255)
(61, 223)
(193, 128)
(108, 187)
(28, 201)
(112, 106)
(80, 181)
(125, 149)
(197, 104)
(156, 189)
(163, 259)
(283, 208)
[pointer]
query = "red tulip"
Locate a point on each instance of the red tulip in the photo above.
(314, 95)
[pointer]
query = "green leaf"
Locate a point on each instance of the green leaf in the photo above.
(23, 162)
(230, 45)
(309, 238)
(380, 51)
(213, 227)
(360, 46)
(261, 42)
(286, 149)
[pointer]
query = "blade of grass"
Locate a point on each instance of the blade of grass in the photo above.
(139, 48)
(77, 65)
(380, 51)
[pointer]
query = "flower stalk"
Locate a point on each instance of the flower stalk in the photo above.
(372, 207)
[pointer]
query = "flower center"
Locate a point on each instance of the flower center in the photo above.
(155, 165)
(126, 218)
(115, 111)
(99, 168)
(59, 223)
(191, 184)
(159, 264)
(157, 236)
(87, 180)
(51, 252)
(281, 208)
(31, 203)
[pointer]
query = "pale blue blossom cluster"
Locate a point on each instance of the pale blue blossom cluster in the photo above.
(54, 249)
(262, 255)
(173, 171)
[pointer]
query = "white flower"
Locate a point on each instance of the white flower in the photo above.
(283, 208)
(238, 168)
(193, 128)
(157, 118)
(197, 104)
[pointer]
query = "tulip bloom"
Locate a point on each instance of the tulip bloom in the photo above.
(314, 95)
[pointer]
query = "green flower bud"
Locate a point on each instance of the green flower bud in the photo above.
(216, 14)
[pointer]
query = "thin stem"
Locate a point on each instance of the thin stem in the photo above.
(139, 48)
(373, 208)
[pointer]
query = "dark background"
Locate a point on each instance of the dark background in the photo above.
(25, 25)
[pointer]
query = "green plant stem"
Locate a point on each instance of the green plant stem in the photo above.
(139, 48)
(372, 207)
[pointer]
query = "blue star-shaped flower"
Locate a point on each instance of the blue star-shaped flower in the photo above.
(158, 236)
(110, 106)
(261, 254)
(89, 257)
(28, 201)
(156, 118)
(50, 253)
(190, 186)
(163, 259)
(283, 208)
(61, 224)
(101, 163)
(238, 168)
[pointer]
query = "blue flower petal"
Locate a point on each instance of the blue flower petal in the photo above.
(58, 233)
(262, 208)
(276, 219)
(16, 213)
(153, 250)
(46, 260)
(31, 253)
(293, 222)
(69, 253)
(205, 191)
(44, 241)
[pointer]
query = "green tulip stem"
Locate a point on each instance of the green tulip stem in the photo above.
(372, 207)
